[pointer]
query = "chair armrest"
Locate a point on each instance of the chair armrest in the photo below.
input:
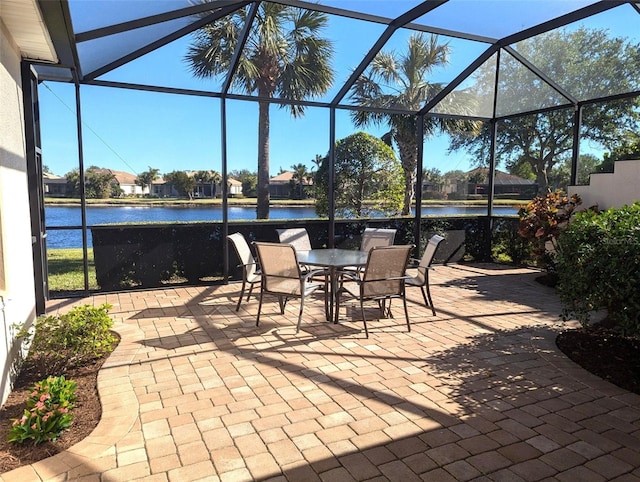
(316, 272)
(242, 265)
(393, 278)
(413, 263)
(351, 275)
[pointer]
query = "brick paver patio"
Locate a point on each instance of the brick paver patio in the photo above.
(195, 391)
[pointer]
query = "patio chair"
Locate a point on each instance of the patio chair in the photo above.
(282, 276)
(297, 237)
(382, 280)
(372, 237)
(424, 265)
(377, 237)
(250, 272)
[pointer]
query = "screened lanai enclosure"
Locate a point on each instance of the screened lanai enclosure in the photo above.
(246, 116)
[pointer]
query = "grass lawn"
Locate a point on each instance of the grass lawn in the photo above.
(66, 269)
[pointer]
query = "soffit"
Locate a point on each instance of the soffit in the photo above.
(25, 25)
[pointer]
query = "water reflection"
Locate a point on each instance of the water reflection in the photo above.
(72, 238)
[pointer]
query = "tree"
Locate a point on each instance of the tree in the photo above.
(433, 175)
(368, 179)
(579, 60)
(455, 174)
(183, 183)
(435, 178)
(560, 175)
(248, 179)
(521, 168)
(283, 57)
(317, 161)
(628, 148)
(73, 183)
(99, 183)
(402, 82)
(208, 177)
(300, 176)
(146, 178)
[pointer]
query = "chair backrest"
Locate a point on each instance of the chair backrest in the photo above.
(386, 265)
(296, 237)
(372, 237)
(427, 256)
(280, 268)
(244, 253)
(430, 251)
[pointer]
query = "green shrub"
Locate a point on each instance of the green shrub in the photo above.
(72, 339)
(598, 266)
(48, 412)
(507, 246)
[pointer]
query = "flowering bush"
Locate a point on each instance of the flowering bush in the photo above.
(541, 222)
(48, 412)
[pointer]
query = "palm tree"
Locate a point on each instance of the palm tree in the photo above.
(283, 57)
(300, 175)
(146, 178)
(211, 177)
(402, 82)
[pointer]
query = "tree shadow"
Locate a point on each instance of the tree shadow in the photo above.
(480, 407)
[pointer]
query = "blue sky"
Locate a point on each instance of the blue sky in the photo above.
(132, 130)
(129, 131)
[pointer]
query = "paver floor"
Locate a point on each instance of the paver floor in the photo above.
(195, 391)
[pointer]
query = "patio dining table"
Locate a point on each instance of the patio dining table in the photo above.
(333, 260)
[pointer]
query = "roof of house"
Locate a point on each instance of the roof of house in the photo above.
(53, 178)
(286, 177)
(124, 177)
(502, 177)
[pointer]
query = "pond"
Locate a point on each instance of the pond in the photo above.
(58, 216)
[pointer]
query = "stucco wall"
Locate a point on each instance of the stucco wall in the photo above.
(612, 189)
(17, 298)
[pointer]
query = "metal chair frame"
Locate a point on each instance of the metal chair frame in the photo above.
(424, 266)
(283, 277)
(250, 273)
(382, 280)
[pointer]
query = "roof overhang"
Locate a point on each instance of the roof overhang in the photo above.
(24, 22)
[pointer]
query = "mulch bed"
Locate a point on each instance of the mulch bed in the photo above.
(86, 415)
(604, 353)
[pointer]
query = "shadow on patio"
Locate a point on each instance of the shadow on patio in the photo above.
(477, 391)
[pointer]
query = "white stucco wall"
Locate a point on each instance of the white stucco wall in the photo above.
(611, 189)
(17, 298)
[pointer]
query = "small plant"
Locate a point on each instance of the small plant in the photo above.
(541, 222)
(48, 412)
(72, 339)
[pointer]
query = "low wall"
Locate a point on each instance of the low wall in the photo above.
(611, 189)
(155, 255)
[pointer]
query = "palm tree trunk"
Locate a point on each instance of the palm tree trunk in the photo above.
(262, 190)
(409, 190)
(408, 157)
